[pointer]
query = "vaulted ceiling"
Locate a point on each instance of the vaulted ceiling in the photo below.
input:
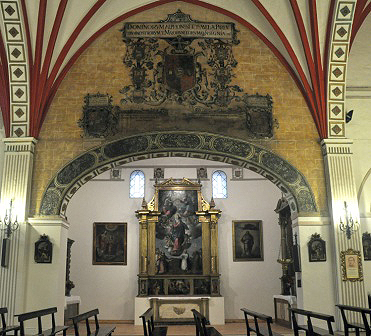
(298, 32)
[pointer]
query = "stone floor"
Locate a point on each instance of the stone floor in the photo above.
(229, 329)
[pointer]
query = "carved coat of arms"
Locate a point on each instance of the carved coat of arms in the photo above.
(180, 72)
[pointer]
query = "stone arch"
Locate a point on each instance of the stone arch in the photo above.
(198, 145)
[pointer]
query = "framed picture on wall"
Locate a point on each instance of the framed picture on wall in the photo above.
(247, 238)
(366, 243)
(316, 248)
(109, 243)
(351, 265)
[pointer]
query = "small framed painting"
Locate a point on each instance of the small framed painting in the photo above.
(247, 240)
(366, 242)
(351, 265)
(109, 244)
(316, 248)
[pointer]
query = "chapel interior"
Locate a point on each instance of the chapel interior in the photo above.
(185, 154)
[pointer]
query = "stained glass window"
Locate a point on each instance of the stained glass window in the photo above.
(136, 189)
(219, 183)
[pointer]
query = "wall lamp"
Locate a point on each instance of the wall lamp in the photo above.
(8, 226)
(349, 226)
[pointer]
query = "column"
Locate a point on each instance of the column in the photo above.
(341, 188)
(16, 186)
(45, 285)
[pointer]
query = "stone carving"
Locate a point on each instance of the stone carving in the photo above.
(191, 144)
(175, 73)
(181, 61)
(69, 283)
(99, 118)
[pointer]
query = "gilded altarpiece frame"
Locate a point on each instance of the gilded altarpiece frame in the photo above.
(178, 242)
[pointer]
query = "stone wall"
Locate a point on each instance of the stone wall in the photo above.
(100, 69)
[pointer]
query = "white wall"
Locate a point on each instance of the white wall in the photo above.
(358, 130)
(318, 280)
(113, 288)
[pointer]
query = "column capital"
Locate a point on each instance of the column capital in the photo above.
(26, 144)
(336, 146)
(339, 141)
(49, 221)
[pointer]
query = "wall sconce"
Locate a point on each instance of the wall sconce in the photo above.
(8, 227)
(349, 226)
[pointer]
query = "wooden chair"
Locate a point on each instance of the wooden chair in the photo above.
(4, 328)
(364, 326)
(39, 314)
(98, 331)
(309, 329)
(201, 328)
(149, 325)
(259, 330)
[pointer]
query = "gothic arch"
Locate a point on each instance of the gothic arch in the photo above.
(198, 145)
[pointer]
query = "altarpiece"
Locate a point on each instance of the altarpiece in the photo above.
(178, 242)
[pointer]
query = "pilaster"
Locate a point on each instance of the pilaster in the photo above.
(16, 186)
(39, 291)
(341, 188)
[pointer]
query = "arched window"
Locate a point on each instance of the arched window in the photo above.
(219, 182)
(136, 189)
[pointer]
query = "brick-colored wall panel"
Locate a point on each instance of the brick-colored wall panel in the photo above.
(100, 69)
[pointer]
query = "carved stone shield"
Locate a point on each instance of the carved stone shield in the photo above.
(259, 118)
(99, 119)
(180, 72)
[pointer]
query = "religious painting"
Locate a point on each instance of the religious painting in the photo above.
(158, 173)
(179, 287)
(202, 173)
(109, 243)
(43, 250)
(247, 240)
(317, 248)
(178, 232)
(351, 265)
(366, 242)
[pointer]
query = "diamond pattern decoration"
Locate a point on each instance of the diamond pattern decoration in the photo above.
(336, 91)
(14, 32)
(19, 113)
(336, 129)
(19, 132)
(18, 72)
(337, 72)
(341, 31)
(19, 93)
(16, 52)
(10, 10)
(17, 67)
(345, 11)
(336, 110)
(339, 52)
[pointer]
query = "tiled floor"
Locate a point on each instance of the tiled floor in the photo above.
(229, 329)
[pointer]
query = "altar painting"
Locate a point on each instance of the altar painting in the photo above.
(178, 233)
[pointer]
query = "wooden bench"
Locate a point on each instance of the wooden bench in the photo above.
(98, 331)
(259, 330)
(309, 329)
(4, 328)
(39, 314)
(365, 326)
(149, 325)
(201, 328)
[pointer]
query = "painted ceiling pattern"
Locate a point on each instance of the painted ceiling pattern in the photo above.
(177, 144)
